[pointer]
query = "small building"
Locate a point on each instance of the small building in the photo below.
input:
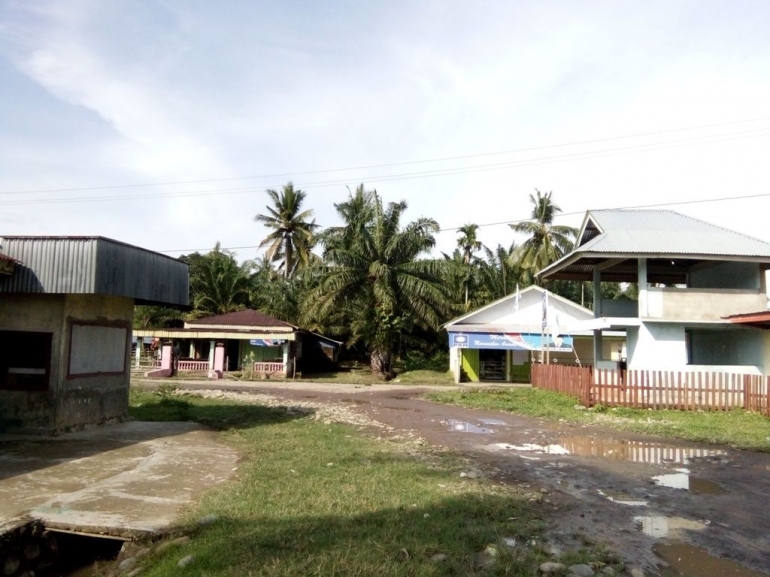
(252, 341)
(702, 290)
(500, 341)
(66, 310)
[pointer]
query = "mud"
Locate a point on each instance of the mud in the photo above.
(602, 484)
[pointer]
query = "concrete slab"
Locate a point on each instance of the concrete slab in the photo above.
(124, 480)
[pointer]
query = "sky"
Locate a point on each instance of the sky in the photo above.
(162, 123)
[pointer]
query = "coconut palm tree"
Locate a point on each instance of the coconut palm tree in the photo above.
(547, 242)
(468, 244)
(292, 239)
(377, 279)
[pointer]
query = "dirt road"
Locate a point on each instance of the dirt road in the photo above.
(639, 494)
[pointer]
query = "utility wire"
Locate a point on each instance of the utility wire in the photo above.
(386, 165)
(761, 132)
(560, 215)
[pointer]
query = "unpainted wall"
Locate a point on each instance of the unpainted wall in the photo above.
(79, 397)
(731, 275)
(730, 346)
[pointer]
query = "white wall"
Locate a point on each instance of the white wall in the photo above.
(657, 346)
(727, 347)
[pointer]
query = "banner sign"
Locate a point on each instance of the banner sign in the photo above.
(512, 341)
(267, 342)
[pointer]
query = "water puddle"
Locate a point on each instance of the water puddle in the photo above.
(618, 450)
(622, 499)
(355, 401)
(493, 422)
(683, 480)
(689, 561)
(659, 527)
(465, 427)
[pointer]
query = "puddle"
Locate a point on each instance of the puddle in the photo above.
(619, 450)
(493, 422)
(682, 480)
(465, 427)
(689, 561)
(659, 527)
(622, 499)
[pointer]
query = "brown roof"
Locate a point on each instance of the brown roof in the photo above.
(759, 319)
(245, 318)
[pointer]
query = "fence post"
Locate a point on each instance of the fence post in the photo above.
(746, 392)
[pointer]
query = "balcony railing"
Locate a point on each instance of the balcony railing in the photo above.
(270, 368)
(193, 366)
(702, 304)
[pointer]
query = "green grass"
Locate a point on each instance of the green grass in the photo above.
(313, 499)
(736, 428)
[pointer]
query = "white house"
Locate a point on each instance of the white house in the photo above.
(698, 282)
(499, 341)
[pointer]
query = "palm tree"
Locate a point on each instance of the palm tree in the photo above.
(292, 238)
(500, 273)
(377, 279)
(218, 284)
(468, 244)
(547, 242)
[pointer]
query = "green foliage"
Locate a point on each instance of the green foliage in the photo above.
(218, 284)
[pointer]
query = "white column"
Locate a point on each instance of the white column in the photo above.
(138, 354)
(212, 346)
(597, 314)
(642, 282)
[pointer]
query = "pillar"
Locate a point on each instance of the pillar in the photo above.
(138, 355)
(597, 313)
(286, 348)
(219, 362)
(642, 282)
(212, 347)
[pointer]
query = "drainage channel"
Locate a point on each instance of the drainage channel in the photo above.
(34, 550)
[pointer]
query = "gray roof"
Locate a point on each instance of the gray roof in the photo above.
(93, 265)
(661, 234)
(663, 231)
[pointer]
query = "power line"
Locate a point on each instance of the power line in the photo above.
(761, 132)
(386, 165)
(560, 215)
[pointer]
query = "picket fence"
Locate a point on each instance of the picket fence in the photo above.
(682, 390)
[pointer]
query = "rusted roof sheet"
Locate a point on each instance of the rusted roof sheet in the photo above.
(94, 265)
(214, 334)
(241, 319)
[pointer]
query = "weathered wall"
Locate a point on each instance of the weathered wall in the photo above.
(731, 275)
(727, 347)
(657, 346)
(73, 398)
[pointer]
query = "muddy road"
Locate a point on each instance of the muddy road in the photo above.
(648, 498)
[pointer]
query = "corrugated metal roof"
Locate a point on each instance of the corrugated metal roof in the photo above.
(213, 334)
(667, 232)
(93, 265)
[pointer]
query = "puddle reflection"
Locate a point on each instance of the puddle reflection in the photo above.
(623, 499)
(465, 427)
(689, 561)
(659, 527)
(619, 450)
(682, 480)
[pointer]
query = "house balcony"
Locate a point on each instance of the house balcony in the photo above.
(689, 304)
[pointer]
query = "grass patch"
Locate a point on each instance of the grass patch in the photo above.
(736, 428)
(313, 499)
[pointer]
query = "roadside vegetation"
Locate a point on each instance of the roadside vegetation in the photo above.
(312, 497)
(374, 281)
(735, 428)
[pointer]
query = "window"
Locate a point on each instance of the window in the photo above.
(25, 360)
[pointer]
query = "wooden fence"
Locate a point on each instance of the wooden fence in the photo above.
(682, 390)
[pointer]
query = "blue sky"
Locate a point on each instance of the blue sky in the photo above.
(97, 95)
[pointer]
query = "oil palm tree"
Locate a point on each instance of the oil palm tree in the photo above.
(547, 242)
(378, 280)
(218, 284)
(292, 239)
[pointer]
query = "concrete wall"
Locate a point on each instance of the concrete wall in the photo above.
(727, 347)
(657, 346)
(731, 275)
(470, 363)
(83, 387)
(702, 304)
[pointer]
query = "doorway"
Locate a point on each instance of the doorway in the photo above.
(492, 365)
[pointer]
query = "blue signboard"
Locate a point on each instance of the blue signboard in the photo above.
(267, 342)
(512, 341)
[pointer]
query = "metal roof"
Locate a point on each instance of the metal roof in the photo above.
(662, 234)
(247, 318)
(94, 265)
(665, 231)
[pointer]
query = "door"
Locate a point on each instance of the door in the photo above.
(491, 365)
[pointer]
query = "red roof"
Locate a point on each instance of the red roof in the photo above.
(246, 318)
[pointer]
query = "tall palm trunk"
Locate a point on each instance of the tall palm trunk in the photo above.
(289, 250)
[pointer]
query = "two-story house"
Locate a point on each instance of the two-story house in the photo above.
(695, 280)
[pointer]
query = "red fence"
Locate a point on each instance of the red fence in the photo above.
(690, 391)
